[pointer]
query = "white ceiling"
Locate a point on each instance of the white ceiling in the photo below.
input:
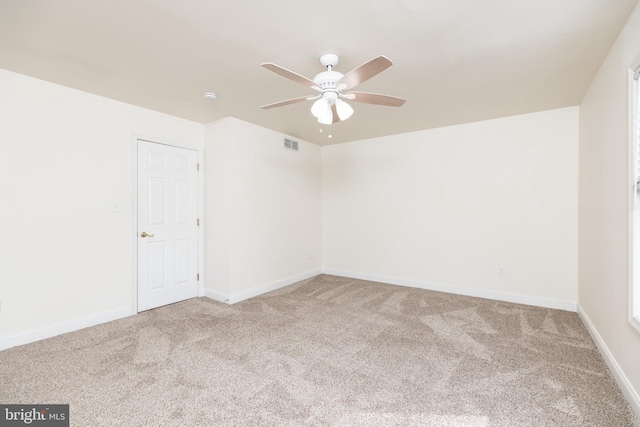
(455, 61)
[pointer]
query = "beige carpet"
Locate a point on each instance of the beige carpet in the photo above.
(326, 351)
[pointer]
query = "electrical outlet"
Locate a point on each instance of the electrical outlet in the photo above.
(502, 272)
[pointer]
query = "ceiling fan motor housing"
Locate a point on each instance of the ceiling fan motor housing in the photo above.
(327, 79)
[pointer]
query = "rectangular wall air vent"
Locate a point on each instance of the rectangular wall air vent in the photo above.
(290, 144)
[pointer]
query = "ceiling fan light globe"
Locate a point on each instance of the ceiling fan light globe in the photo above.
(320, 108)
(344, 110)
(327, 117)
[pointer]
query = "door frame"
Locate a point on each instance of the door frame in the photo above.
(134, 212)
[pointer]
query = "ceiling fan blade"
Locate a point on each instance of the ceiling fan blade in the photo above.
(286, 102)
(375, 98)
(364, 72)
(288, 74)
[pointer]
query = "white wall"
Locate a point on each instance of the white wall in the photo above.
(604, 209)
(445, 208)
(65, 157)
(218, 209)
(263, 207)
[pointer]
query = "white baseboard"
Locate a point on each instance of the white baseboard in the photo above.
(62, 328)
(629, 392)
(268, 287)
(261, 289)
(216, 296)
(519, 299)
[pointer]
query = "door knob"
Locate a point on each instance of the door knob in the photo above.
(145, 234)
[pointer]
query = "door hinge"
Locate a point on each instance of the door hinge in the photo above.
(198, 277)
(197, 166)
(198, 221)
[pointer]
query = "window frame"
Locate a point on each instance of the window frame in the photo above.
(634, 196)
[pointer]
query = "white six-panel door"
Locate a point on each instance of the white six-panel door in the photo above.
(167, 224)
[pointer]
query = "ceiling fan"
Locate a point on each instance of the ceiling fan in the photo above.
(329, 106)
